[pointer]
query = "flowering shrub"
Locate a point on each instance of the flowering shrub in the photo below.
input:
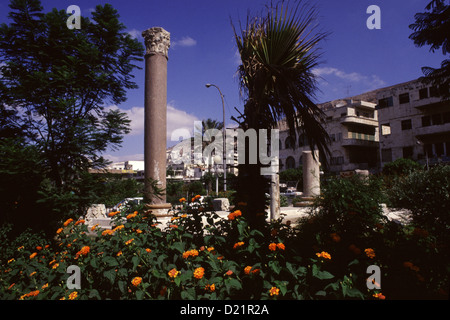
(198, 255)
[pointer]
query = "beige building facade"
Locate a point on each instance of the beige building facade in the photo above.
(407, 120)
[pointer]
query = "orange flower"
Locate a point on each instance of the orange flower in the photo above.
(379, 296)
(234, 215)
(247, 269)
(324, 255)
(56, 265)
(84, 251)
(182, 200)
(112, 213)
(199, 273)
(190, 253)
(136, 281)
(129, 241)
(73, 295)
(79, 222)
(274, 291)
(174, 226)
(148, 250)
(370, 253)
(30, 294)
(173, 273)
(65, 224)
(107, 232)
(281, 246)
(119, 253)
(211, 287)
(39, 248)
(132, 215)
(238, 244)
(34, 254)
(272, 246)
(120, 227)
(335, 237)
(94, 227)
(59, 230)
(229, 273)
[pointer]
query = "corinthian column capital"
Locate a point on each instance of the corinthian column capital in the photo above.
(157, 41)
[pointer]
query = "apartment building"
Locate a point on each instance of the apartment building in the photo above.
(407, 120)
(414, 122)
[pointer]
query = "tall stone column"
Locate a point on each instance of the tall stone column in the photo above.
(157, 42)
(311, 176)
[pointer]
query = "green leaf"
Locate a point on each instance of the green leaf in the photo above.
(322, 275)
(110, 261)
(110, 275)
(275, 266)
(135, 261)
(122, 286)
(321, 293)
(179, 246)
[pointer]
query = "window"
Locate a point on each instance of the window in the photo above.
(339, 136)
(385, 129)
(439, 148)
(333, 137)
(434, 91)
(426, 121)
(436, 119)
(385, 102)
(423, 93)
(406, 124)
(337, 160)
(403, 98)
(289, 142)
(446, 117)
(408, 152)
(386, 155)
(290, 163)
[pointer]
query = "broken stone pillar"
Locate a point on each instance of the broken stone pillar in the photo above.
(311, 176)
(157, 43)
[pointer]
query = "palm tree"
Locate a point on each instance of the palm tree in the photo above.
(278, 53)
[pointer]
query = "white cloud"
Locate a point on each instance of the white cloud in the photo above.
(183, 42)
(130, 157)
(176, 119)
(371, 81)
(135, 33)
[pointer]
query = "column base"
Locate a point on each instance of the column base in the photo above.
(159, 210)
(305, 202)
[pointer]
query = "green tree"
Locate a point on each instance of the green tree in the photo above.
(56, 83)
(278, 52)
(432, 28)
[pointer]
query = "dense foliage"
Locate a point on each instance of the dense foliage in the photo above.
(199, 255)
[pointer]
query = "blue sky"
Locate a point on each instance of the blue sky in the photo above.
(354, 58)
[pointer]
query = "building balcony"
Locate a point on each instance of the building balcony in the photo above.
(359, 120)
(359, 143)
(429, 104)
(434, 130)
(355, 139)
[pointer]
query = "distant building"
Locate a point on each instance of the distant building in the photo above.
(407, 120)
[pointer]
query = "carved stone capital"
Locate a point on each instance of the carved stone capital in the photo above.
(157, 41)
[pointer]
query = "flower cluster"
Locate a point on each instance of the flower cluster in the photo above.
(233, 215)
(190, 253)
(274, 246)
(324, 255)
(370, 253)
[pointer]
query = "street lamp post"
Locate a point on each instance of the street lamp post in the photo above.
(224, 142)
